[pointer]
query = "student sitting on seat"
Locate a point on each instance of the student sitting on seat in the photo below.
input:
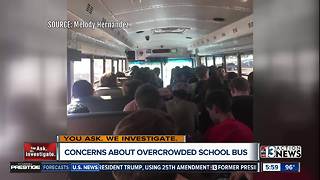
(77, 108)
(147, 96)
(224, 128)
(82, 92)
(242, 102)
(145, 122)
(183, 111)
(159, 81)
(108, 80)
(129, 88)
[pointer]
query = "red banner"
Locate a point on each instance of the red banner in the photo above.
(40, 151)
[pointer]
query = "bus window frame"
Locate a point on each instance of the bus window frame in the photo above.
(95, 59)
(120, 69)
(207, 57)
(238, 54)
(223, 60)
(108, 62)
(124, 65)
(70, 68)
(113, 68)
(205, 60)
(235, 55)
(245, 53)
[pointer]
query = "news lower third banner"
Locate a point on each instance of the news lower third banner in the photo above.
(158, 151)
(98, 153)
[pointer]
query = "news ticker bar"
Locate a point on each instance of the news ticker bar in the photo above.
(209, 167)
(43, 167)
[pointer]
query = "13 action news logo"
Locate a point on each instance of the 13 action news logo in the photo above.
(280, 152)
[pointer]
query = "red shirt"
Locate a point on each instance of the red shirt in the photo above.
(229, 130)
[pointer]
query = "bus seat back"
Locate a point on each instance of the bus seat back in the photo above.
(94, 123)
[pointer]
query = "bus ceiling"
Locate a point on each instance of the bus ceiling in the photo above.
(208, 26)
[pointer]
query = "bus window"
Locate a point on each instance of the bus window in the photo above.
(210, 61)
(124, 65)
(120, 65)
(81, 70)
(246, 64)
(115, 66)
(98, 69)
(232, 63)
(219, 61)
(108, 66)
(167, 67)
(150, 65)
(203, 60)
(172, 63)
(139, 64)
